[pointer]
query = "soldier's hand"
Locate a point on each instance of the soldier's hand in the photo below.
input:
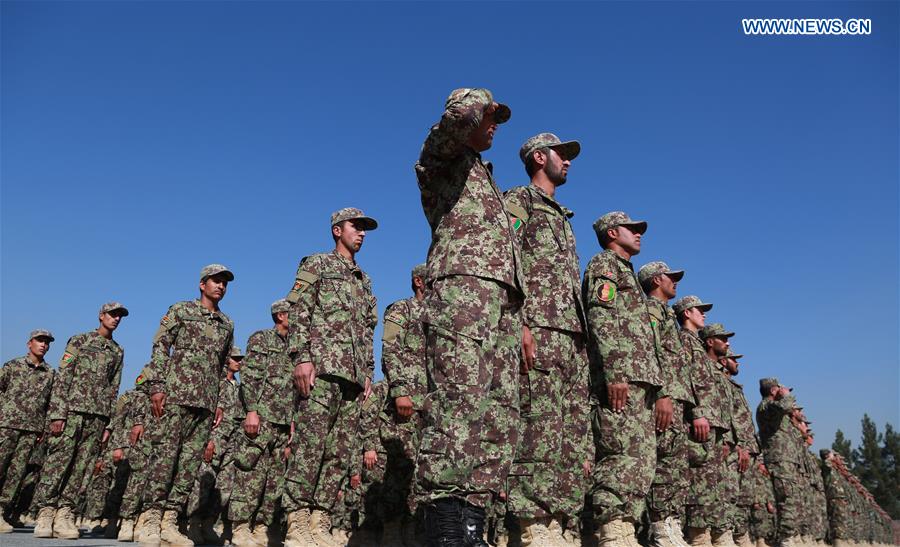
(726, 450)
(137, 431)
(220, 412)
(304, 378)
(157, 402)
(118, 455)
(743, 460)
(56, 427)
(588, 467)
(618, 396)
(770, 508)
(701, 429)
(98, 467)
(287, 452)
(663, 413)
(529, 350)
(251, 424)
(370, 458)
(209, 451)
(404, 406)
(355, 481)
(367, 389)
(105, 436)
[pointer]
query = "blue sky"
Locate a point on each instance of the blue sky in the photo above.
(141, 141)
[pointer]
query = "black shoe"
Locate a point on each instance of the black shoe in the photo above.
(473, 526)
(444, 523)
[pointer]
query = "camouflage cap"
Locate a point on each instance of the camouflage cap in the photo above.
(653, 269)
(714, 329)
(280, 305)
(40, 332)
(766, 384)
(617, 218)
(825, 453)
(352, 213)
(236, 353)
(568, 149)
(215, 269)
(735, 356)
(468, 95)
(691, 301)
(419, 271)
(113, 306)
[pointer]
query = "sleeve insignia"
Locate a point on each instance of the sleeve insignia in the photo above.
(139, 380)
(67, 358)
(606, 292)
(517, 223)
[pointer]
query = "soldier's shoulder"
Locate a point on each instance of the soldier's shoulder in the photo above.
(16, 361)
(259, 339)
(398, 312)
(227, 319)
(315, 263)
(603, 264)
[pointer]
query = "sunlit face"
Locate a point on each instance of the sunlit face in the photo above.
(351, 234)
(629, 238)
(556, 167)
(482, 137)
(730, 365)
(39, 346)
(234, 365)
(214, 287)
(667, 286)
(110, 320)
(719, 345)
(696, 316)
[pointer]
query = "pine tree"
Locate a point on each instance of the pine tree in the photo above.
(842, 446)
(890, 456)
(867, 463)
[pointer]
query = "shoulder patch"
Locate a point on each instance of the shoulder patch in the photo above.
(517, 212)
(395, 316)
(606, 292)
(139, 380)
(303, 281)
(391, 331)
(67, 359)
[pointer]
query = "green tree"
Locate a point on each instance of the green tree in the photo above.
(842, 446)
(890, 456)
(869, 466)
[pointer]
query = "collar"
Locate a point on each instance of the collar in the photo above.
(42, 365)
(551, 200)
(217, 314)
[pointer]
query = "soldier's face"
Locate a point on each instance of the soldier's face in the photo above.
(696, 316)
(111, 320)
(668, 286)
(351, 234)
(214, 287)
(629, 238)
(234, 365)
(720, 345)
(482, 137)
(731, 366)
(557, 167)
(38, 346)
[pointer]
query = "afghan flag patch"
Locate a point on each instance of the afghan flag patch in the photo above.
(139, 380)
(517, 223)
(606, 292)
(67, 358)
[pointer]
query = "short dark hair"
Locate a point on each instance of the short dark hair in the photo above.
(648, 284)
(530, 166)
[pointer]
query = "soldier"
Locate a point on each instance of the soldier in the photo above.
(762, 514)
(403, 364)
(626, 380)
(745, 450)
(837, 495)
(668, 492)
(777, 438)
(25, 383)
(118, 450)
(189, 353)
(268, 396)
(547, 481)
(331, 327)
(710, 418)
(81, 404)
(474, 332)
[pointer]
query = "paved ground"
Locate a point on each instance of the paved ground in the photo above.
(23, 537)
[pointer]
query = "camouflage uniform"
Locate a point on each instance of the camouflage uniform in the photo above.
(547, 478)
(818, 502)
(473, 312)
(778, 439)
(375, 435)
(83, 395)
(332, 322)
(267, 389)
(623, 350)
(142, 455)
(26, 391)
(745, 437)
(668, 492)
(189, 351)
(837, 493)
(120, 428)
(762, 522)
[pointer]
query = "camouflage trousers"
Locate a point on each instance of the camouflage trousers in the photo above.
(731, 487)
(326, 439)
(183, 433)
(70, 460)
(16, 446)
(547, 476)
(400, 441)
(472, 346)
(626, 455)
(96, 487)
(839, 518)
(139, 460)
(785, 481)
(707, 505)
(258, 474)
(668, 492)
(762, 523)
(820, 515)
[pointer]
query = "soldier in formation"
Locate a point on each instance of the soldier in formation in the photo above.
(565, 408)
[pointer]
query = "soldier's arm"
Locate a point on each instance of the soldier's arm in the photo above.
(62, 383)
(371, 323)
(117, 378)
(519, 207)
(393, 354)
(162, 344)
(599, 295)
(702, 385)
(222, 432)
(302, 297)
(448, 137)
(253, 372)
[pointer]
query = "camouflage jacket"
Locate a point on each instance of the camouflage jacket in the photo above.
(471, 234)
(815, 472)
(670, 353)
(761, 489)
(741, 419)
(403, 350)
(88, 378)
(776, 433)
(266, 377)
(224, 434)
(189, 352)
(26, 391)
(549, 260)
(708, 399)
(372, 418)
(333, 317)
(621, 338)
(120, 424)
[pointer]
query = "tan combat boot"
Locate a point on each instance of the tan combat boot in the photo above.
(761, 542)
(261, 535)
(241, 536)
(298, 534)
(5, 527)
(790, 542)
(660, 535)
(743, 540)
(722, 538)
(64, 524)
(676, 533)
(340, 537)
(612, 534)
(126, 530)
(558, 535)
(146, 530)
(43, 527)
(320, 529)
(169, 534)
(699, 537)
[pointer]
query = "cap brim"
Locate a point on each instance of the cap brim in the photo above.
(42, 336)
(676, 275)
(369, 223)
(703, 307)
(737, 356)
(641, 225)
(569, 149)
(228, 275)
(123, 309)
(502, 114)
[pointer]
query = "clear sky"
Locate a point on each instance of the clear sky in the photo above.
(143, 140)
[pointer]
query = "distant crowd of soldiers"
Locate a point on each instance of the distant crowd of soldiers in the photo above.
(522, 403)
